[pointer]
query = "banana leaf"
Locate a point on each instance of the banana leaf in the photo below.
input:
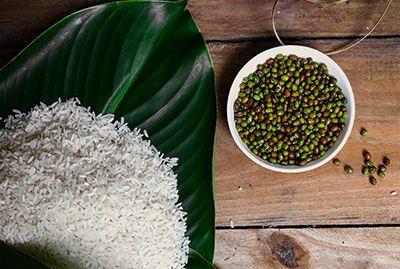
(12, 258)
(147, 62)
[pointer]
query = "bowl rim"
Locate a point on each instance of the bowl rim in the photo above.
(301, 51)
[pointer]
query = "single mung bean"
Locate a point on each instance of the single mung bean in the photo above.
(285, 78)
(382, 168)
(367, 155)
(381, 174)
(364, 132)
(373, 180)
(386, 161)
(372, 169)
(303, 162)
(337, 162)
(365, 170)
(348, 169)
(369, 163)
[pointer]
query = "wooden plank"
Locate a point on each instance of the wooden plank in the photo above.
(326, 195)
(252, 18)
(22, 21)
(350, 248)
(7, 54)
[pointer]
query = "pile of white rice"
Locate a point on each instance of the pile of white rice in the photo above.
(79, 190)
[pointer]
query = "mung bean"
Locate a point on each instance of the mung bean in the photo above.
(372, 169)
(369, 163)
(365, 170)
(348, 169)
(337, 162)
(386, 161)
(290, 110)
(364, 132)
(382, 168)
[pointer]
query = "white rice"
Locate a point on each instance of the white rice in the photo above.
(79, 190)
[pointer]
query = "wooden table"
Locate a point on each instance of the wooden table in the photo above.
(319, 219)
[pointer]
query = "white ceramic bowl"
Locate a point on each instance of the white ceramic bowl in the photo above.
(303, 52)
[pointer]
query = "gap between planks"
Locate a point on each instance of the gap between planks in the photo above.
(285, 227)
(294, 39)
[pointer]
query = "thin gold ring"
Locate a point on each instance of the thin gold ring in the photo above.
(327, 1)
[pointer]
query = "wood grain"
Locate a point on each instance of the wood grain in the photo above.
(350, 248)
(250, 196)
(22, 21)
(7, 54)
(326, 195)
(219, 19)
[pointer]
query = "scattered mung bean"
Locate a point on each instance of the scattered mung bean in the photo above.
(386, 161)
(365, 170)
(381, 174)
(337, 162)
(367, 155)
(382, 168)
(373, 180)
(369, 163)
(372, 169)
(364, 132)
(348, 169)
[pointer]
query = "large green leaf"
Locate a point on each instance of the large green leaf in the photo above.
(11, 258)
(197, 261)
(145, 61)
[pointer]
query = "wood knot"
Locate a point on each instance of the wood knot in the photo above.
(288, 251)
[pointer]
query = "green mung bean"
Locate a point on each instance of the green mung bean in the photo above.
(364, 132)
(337, 162)
(382, 168)
(365, 170)
(373, 180)
(348, 169)
(369, 163)
(372, 169)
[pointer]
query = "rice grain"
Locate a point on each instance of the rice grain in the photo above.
(79, 190)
